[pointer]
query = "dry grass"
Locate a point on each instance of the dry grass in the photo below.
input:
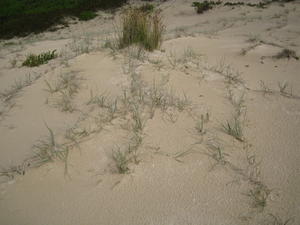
(276, 220)
(259, 195)
(18, 86)
(264, 88)
(12, 171)
(48, 150)
(139, 27)
(64, 89)
(283, 89)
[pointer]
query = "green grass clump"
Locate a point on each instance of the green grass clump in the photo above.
(201, 7)
(143, 28)
(87, 15)
(36, 60)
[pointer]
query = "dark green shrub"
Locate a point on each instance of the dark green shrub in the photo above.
(87, 15)
(21, 17)
(147, 7)
(36, 60)
(201, 7)
(234, 3)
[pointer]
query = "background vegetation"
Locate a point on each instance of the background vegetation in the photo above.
(21, 17)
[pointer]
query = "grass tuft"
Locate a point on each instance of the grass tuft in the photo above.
(17, 87)
(259, 195)
(49, 150)
(283, 86)
(278, 221)
(234, 128)
(121, 160)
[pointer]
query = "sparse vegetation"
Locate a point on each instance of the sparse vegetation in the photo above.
(64, 102)
(100, 100)
(179, 155)
(201, 7)
(276, 220)
(264, 88)
(138, 123)
(259, 195)
(232, 76)
(64, 90)
(48, 150)
(36, 60)
(216, 152)
(283, 86)
(139, 27)
(10, 172)
(18, 86)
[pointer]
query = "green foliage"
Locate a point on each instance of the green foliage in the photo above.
(262, 4)
(139, 27)
(23, 17)
(201, 7)
(36, 60)
(147, 7)
(87, 15)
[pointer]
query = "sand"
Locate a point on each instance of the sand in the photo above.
(212, 68)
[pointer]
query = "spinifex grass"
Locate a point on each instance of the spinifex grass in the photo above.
(48, 150)
(121, 160)
(18, 86)
(259, 195)
(234, 128)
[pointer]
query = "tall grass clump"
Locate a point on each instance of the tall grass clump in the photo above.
(140, 27)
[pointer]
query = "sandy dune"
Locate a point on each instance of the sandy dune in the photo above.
(211, 69)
